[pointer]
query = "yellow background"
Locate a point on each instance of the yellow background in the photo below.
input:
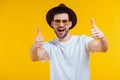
(19, 20)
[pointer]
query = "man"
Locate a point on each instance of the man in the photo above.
(68, 54)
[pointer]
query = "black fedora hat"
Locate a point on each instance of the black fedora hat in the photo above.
(61, 7)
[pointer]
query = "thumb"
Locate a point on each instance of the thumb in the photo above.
(38, 31)
(93, 23)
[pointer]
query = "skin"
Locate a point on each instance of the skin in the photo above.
(65, 35)
(99, 44)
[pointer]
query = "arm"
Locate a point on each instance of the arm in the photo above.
(37, 52)
(99, 44)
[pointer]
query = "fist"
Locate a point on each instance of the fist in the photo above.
(38, 43)
(95, 31)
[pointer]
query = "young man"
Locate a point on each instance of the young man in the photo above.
(68, 54)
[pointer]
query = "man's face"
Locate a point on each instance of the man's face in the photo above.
(61, 24)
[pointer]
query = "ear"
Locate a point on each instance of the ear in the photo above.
(70, 24)
(52, 23)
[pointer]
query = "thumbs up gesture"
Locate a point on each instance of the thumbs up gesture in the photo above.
(38, 43)
(95, 31)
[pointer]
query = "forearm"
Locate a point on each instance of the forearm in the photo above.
(34, 53)
(38, 54)
(103, 44)
(98, 45)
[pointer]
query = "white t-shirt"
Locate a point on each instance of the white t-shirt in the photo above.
(69, 60)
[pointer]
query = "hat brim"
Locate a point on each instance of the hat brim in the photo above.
(51, 13)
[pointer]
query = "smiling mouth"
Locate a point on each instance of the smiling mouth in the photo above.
(61, 30)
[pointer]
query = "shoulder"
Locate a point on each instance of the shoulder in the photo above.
(82, 37)
(85, 37)
(49, 43)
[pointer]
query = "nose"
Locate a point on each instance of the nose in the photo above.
(61, 24)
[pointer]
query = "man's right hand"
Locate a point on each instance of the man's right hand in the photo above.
(37, 52)
(38, 43)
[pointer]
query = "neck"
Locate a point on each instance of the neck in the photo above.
(66, 38)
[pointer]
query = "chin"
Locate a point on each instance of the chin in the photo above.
(62, 36)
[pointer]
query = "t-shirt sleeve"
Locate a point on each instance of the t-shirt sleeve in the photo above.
(46, 46)
(86, 40)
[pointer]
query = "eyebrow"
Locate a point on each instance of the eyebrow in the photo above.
(61, 19)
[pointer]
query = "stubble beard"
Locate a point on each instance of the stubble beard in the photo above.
(63, 35)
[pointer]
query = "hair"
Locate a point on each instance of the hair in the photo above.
(60, 12)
